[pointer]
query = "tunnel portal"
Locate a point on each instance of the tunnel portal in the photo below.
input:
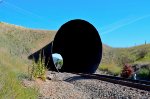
(79, 43)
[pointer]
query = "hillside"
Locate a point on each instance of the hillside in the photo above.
(114, 58)
(134, 54)
(17, 43)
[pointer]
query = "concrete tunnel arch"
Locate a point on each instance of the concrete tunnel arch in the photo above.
(79, 43)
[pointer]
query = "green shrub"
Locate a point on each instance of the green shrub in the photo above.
(144, 73)
(38, 70)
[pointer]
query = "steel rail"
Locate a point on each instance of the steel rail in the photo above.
(139, 84)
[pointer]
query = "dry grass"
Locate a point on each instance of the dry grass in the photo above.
(16, 43)
(115, 58)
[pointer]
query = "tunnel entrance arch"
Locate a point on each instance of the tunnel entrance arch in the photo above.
(79, 43)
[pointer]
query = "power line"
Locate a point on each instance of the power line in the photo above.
(21, 10)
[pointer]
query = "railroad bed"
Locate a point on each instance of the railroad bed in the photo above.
(100, 86)
(139, 84)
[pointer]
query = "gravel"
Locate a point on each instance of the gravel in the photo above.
(72, 86)
(101, 89)
(60, 90)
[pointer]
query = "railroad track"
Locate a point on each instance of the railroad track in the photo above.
(139, 84)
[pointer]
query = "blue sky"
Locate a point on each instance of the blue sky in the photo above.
(121, 23)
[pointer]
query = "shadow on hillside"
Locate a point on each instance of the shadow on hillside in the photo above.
(45, 52)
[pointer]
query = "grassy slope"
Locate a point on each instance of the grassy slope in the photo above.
(113, 58)
(16, 43)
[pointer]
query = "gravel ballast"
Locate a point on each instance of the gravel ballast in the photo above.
(72, 86)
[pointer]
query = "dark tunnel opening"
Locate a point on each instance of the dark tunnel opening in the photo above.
(80, 45)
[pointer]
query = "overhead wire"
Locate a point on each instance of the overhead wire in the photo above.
(22, 10)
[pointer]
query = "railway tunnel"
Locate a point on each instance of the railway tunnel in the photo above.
(79, 44)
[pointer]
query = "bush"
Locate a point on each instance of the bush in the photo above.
(144, 73)
(38, 70)
(127, 71)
